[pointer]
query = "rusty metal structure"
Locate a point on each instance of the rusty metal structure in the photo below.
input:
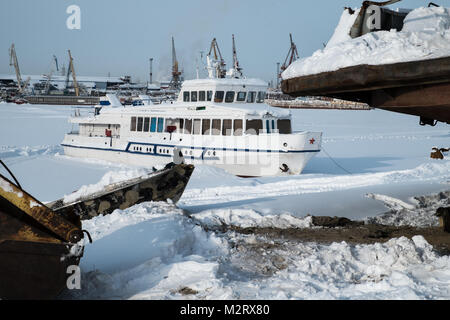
(168, 183)
(38, 243)
(438, 153)
(389, 19)
(291, 56)
(443, 213)
(420, 88)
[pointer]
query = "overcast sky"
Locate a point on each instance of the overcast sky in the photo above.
(119, 37)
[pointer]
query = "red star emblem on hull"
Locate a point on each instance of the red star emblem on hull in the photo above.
(311, 141)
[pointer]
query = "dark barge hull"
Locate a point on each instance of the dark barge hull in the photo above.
(35, 246)
(37, 241)
(420, 88)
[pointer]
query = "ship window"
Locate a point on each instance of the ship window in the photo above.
(216, 127)
(206, 125)
(229, 97)
(273, 125)
(253, 126)
(188, 126)
(261, 96)
(208, 95)
(284, 126)
(171, 124)
(181, 125)
(153, 125)
(133, 124)
(226, 127)
(238, 127)
(197, 123)
(140, 120)
(186, 96)
(201, 96)
(241, 96)
(160, 124)
(146, 124)
(194, 96)
(268, 126)
(251, 96)
(218, 96)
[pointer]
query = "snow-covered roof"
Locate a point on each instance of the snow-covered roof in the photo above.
(223, 82)
(178, 109)
(425, 35)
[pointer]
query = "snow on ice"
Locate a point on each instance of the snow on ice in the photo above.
(425, 35)
(162, 251)
(154, 251)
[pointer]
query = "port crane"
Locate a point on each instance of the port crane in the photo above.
(14, 62)
(49, 76)
(216, 64)
(291, 56)
(237, 70)
(71, 70)
(175, 82)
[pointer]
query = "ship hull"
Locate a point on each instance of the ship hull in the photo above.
(240, 159)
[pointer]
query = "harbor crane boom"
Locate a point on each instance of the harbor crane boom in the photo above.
(237, 68)
(56, 62)
(291, 56)
(14, 62)
(217, 64)
(175, 83)
(72, 70)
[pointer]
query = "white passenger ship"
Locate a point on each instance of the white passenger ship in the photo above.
(222, 122)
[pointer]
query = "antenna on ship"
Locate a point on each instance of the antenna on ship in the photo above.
(278, 75)
(151, 70)
(291, 56)
(216, 64)
(175, 83)
(237, 72)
